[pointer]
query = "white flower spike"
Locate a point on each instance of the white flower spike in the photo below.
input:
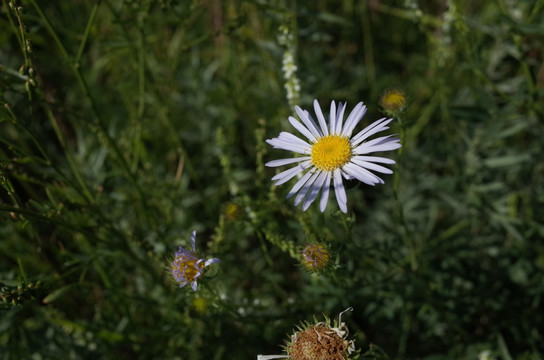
(330, 153)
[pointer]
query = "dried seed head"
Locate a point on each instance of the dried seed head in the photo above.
(321, 341)
(318, 342)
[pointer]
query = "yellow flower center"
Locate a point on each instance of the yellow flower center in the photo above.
(393, 100)
(190, 272)
(331, 152)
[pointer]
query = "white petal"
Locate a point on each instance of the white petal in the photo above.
(197, 267)
(293, 138)
(353, 119)
(311, 118)
(340, 118)
(193, 240)
(375, 127)
(306, 187)
(287, 145)
(299, 184)
(377, 141)
(211, 261)
(332, 117)
(281, 162)
(287, 175)
(339, 191)
(320, 118)
(375, 159)
(371, 166)
(385, 143)
(362, 174)
(307, 120)
(315, 190)
(325, 193)
(194, 285)
(382, 140)
(303, 130)
(389, 146)
(357, 118)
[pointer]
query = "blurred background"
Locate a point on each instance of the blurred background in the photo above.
(125, 125)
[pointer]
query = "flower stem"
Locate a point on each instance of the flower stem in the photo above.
(407, 237)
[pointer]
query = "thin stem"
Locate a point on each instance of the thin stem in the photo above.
(408, 14)
(539, 6)
(71, 161)
(141, 95)
(25, 48)
(22, 269)
(87, 31)
(407, 237)
(367, 43)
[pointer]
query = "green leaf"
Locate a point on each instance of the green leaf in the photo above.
(503, 349)
(506, 161)
(53, 296)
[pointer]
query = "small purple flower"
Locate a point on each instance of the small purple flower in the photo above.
(187, 267)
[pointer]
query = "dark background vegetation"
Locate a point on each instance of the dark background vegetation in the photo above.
(124, 125)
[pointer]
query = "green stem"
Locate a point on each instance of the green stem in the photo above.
(22, 269)
(406, 325)
(407, 237)
(141, 96)
(539, 6)
(71, 161)
(408, 14)
(87, 32)
(367, 43)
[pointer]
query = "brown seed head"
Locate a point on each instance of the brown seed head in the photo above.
(318, 342)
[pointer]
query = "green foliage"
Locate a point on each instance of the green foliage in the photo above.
(126, 125)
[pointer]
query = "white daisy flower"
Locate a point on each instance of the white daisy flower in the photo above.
(331, 153)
